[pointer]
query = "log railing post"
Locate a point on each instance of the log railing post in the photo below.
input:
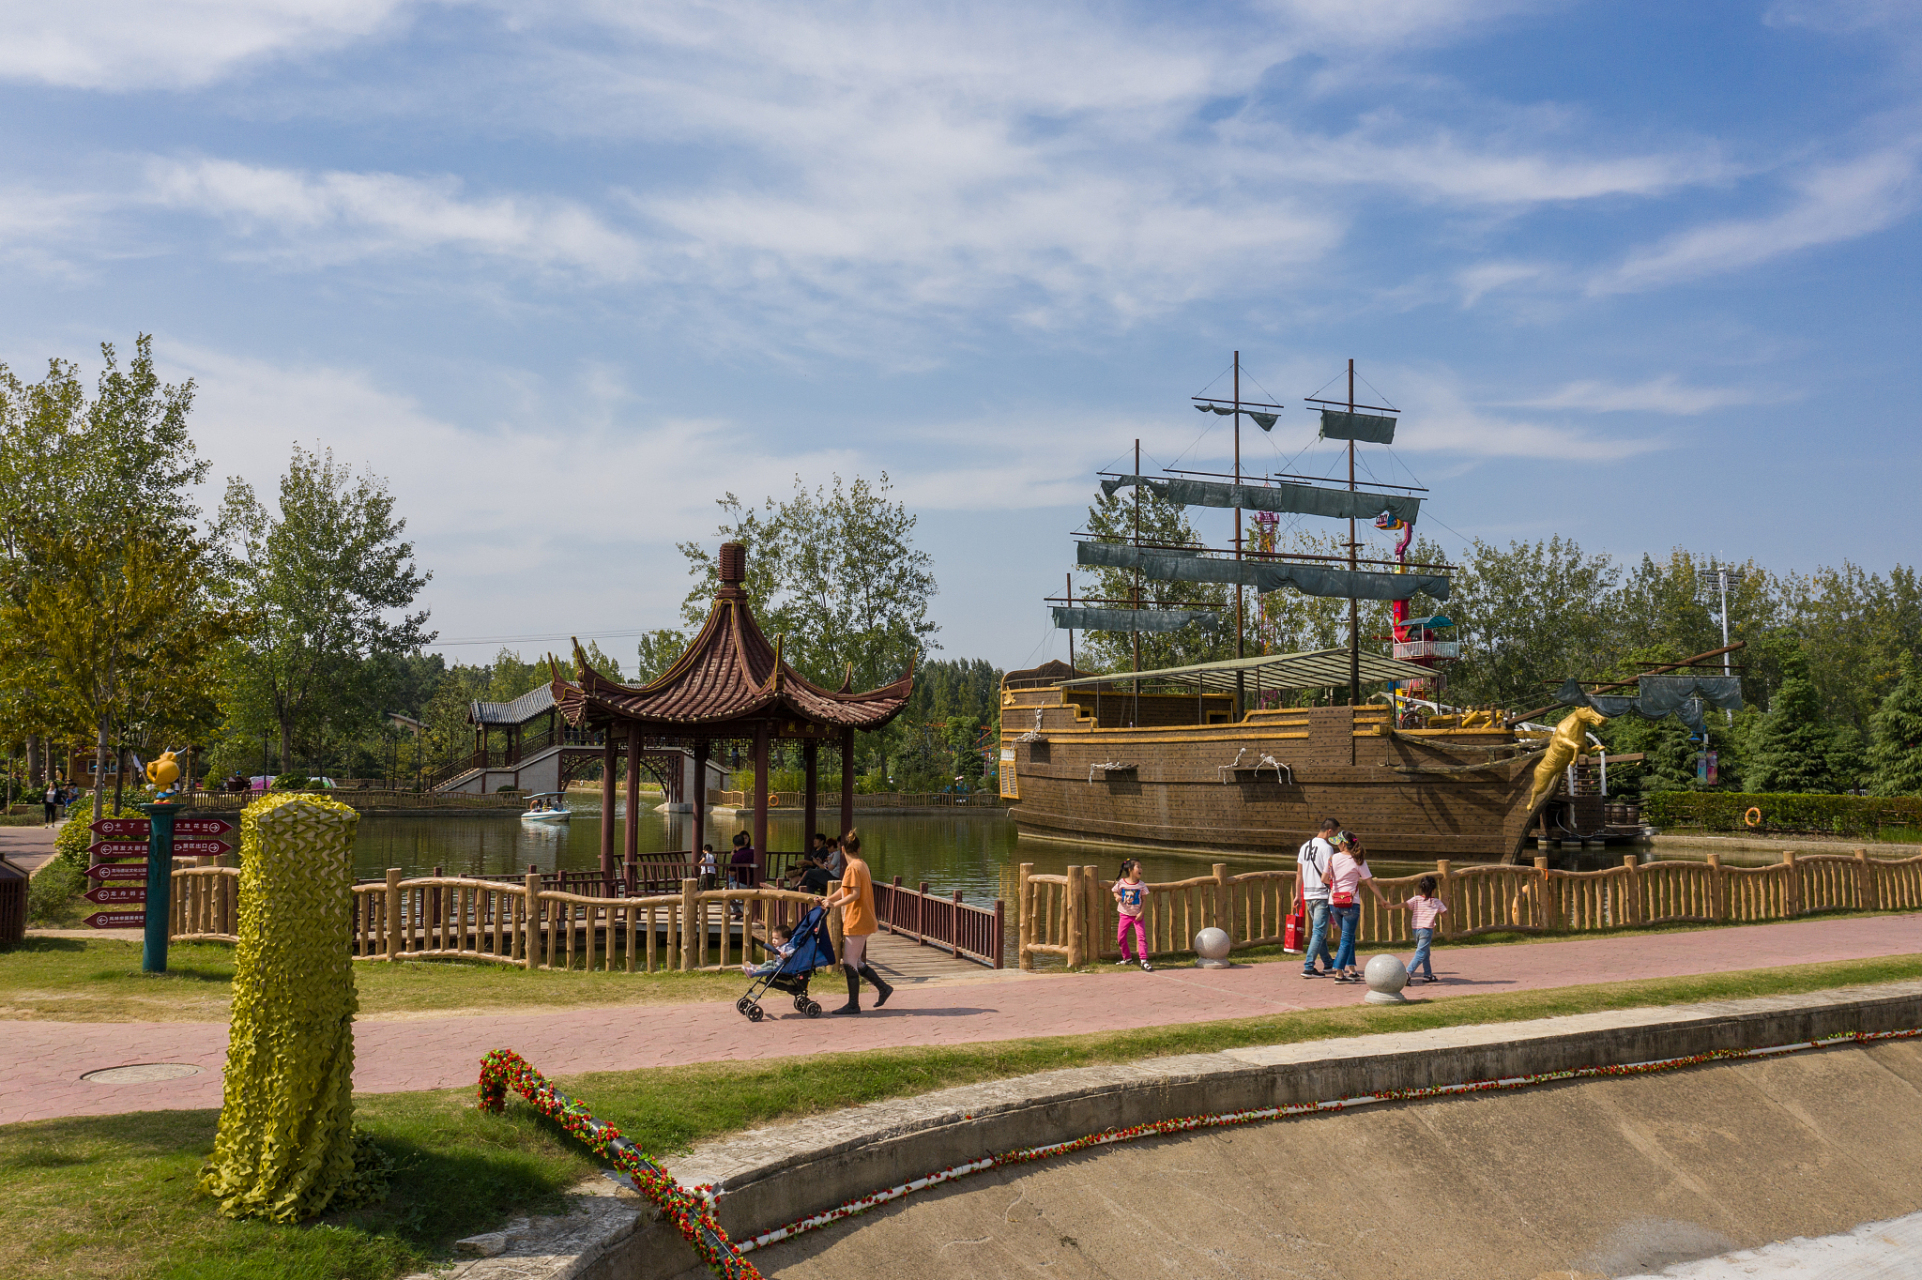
(528, 936)
(1445, 891)
(1077, 918)
(690, 889)
(391, 921)
(1548, 909)
(1024, 923)
(1792, 886)
(1717, 898)
(1224, 906)
(1866, 898)
(1632, 877)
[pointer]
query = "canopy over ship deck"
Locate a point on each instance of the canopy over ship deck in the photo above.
(1274, 672)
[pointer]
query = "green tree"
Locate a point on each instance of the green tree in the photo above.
(1529, 617)
(74, 467)
(325, 578)
(834, 571)
(657, 652)
(127, 631)
(1895, 750)
(1791, 746)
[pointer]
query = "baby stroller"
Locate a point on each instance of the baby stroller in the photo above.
(812, 949)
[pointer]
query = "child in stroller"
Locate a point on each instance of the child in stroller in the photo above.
(797, 953)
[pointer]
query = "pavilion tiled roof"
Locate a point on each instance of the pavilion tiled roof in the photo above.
(729, 673)
(536, 701)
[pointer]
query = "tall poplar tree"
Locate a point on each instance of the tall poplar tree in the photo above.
(1895, 747)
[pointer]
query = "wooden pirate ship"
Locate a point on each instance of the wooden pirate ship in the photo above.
(1218, 756)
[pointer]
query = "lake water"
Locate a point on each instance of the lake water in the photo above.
(976, 852)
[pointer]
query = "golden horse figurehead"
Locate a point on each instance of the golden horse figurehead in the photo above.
(1562, 750)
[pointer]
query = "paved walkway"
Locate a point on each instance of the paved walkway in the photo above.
(27, 847)
(41, 1063)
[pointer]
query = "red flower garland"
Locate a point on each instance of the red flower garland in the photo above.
(690, 1209)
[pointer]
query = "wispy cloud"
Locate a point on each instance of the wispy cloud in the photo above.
(1832, 203)
(119, 45)
(1666, 394)
(328, 216)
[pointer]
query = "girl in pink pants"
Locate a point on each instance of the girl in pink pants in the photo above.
(1131, 901)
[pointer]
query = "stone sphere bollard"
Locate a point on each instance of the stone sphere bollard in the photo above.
(1212, 945)
(1385, 976)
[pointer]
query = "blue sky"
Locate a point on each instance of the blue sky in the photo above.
(1642, 274)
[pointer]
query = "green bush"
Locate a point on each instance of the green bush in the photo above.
(293, 782)
(1783, 812)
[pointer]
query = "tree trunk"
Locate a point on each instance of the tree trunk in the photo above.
(99, 770)
(120, 776)
(34, 771)
(286, 744)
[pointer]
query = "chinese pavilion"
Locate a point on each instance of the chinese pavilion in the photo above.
(731, 685)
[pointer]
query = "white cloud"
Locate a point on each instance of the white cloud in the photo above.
(1665, 394)
(1833, 203)
(327, 216)
(173, 44)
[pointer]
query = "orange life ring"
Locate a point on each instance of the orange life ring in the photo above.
(1753, 818)
(773, 799)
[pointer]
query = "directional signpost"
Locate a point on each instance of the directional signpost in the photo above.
(133, 862)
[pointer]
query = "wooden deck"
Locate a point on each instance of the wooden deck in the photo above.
(903, 961)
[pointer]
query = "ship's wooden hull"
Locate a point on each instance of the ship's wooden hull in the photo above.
(1422, 795)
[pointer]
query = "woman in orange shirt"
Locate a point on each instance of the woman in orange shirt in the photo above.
(855, 897)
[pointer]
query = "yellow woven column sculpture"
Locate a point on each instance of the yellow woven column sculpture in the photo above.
(285, 1143)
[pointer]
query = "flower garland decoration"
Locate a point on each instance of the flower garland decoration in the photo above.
(690, 1209)
(1187, 1124)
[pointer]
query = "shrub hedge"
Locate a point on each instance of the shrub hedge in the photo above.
(1787, 812)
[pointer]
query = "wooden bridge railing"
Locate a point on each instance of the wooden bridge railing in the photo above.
(962, 929)
(1073, 916)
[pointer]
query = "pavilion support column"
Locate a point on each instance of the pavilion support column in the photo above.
(698, 827)
(607, 803)
(811, 761)
(760, 798)
(847, 782)
(631, 849)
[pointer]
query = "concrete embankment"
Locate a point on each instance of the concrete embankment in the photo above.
(1601, 1177)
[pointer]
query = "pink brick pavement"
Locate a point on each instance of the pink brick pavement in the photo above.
(41, 1062)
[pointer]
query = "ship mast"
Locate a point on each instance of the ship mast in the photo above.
(1240, 678)
(1354, 610)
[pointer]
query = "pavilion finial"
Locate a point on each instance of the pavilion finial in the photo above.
(733, 565)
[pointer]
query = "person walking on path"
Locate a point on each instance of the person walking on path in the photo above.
(50, 806)
(1345, 878)
(855, 897)
(1425, 912)
(1131, 904)
(1312, 864)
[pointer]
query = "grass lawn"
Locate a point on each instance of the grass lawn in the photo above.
(113, 1196)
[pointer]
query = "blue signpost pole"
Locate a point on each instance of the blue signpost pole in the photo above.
(160, 882)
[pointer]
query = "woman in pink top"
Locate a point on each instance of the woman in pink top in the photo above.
(1345, 877)
(1425, 912)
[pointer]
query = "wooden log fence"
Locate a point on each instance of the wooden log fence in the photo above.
(1073, 915)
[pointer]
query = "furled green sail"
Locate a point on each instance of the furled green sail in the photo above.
(1366, 427)
(1079, 619)
(1262, 575)
(1303, 499)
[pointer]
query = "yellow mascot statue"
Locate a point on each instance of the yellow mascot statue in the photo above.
(162, 775)
(1562, 750)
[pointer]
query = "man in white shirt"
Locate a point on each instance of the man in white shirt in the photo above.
(1314, 862)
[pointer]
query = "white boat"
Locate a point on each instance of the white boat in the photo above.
(555, 809)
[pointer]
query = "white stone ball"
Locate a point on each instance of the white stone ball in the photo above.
(1385, 973)
(1212, 944)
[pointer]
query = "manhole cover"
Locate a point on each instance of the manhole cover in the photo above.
(142, 1073)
